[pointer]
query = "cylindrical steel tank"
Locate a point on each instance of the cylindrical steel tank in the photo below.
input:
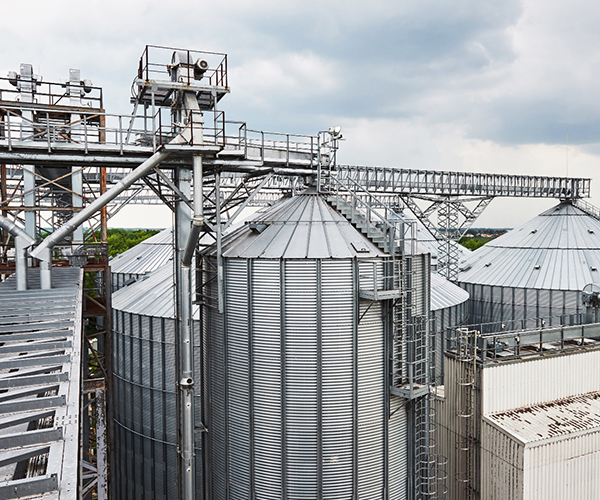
(537, 270)
(144, 389)
(142, 259)
(296, 374)
(450, 309)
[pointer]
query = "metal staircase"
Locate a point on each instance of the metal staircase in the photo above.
(412, 360)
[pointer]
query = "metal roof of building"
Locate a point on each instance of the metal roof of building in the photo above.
(40, 367)
(445, 294)
(146, 256)
(578, 414)
(557, 250)
(300, 227)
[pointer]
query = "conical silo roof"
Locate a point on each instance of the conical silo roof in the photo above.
(146, 256)
(300, 227)
(151, 296)
(557, 250)
(445, 294)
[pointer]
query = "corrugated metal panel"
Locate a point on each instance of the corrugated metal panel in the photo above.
(451, 427)
(146, 256)
(152, 296)
(503, 304)
(509, 385)
(144, 407)
(550, 420)
(290, 395)
(300, 227)
(398, 449)
(556, 250)
(562, 466)
(445, 294)
(564, 469)
(502, 474)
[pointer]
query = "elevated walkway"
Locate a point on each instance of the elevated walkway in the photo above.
(40, 387)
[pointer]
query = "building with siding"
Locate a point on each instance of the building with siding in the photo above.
(522, 419)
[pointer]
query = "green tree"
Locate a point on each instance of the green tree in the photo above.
(120, 240)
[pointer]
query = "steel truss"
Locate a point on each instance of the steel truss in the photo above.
(61, 158)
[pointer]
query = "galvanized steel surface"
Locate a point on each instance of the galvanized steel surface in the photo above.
(145, 418)
(296, 228)
(488, 304)
(445, 294)
(298, 401)
(153, 295)
(557, 250)
(146, 256)
(40, 380)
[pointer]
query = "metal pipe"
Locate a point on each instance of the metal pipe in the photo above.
(186, 389)
(40, 253)
(22, 242)
(198, 217)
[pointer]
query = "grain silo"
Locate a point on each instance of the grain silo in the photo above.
(296, 373)
(141, 259)
(144, 388)
(537, 270)
(297, 399)
(450, 309)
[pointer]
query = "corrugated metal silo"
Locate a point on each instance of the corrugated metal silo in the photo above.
(536, 270)
(144, 389)
(449, 308)
(296, 381)
(141, 259)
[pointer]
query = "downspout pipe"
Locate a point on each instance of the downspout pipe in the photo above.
(186, 384)
(22, 242)
(198, 217)
(43, 250)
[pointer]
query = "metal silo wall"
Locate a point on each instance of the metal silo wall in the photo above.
(144, 407)
(145, 419)
(297, 389)
(513, 306)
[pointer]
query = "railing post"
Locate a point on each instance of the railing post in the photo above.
(48, 132)
(85, 134)
(120, 134)
(8, 126)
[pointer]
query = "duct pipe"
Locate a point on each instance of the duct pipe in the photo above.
(198, 218)
(186, 384)
(22, 242)
(186, 388)
(41, 251)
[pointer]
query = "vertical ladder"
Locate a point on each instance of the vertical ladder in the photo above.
(413, 370)
(465, 411)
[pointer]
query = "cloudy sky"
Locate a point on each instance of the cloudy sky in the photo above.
(470, 85)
